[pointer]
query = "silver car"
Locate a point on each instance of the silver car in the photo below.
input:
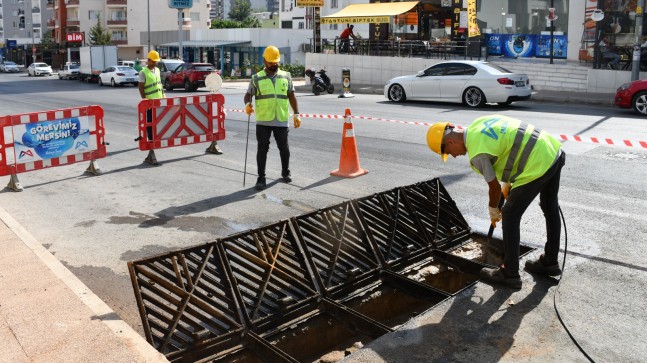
(39, 69)
(8, 66)
(473, 83)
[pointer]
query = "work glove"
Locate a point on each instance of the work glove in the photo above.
(297, 122)
(505, 190)
(249, 110)
(495, 215)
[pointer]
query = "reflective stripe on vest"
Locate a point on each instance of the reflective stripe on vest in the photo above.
(522, 152)
(153, 85)
(271, 97)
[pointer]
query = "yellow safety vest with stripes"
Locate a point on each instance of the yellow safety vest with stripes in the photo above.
(271, 97)
(523, 153)
(153, 85)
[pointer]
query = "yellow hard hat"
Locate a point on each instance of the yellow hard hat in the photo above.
(272, 54)
(154, 56)
(435, 136)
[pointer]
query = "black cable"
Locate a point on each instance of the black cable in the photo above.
(557, 289)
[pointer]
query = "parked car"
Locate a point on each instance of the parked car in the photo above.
(38, 69)
(633, 95)
(9, 66)
(118, 75)
(474, 83)
(191, 76)
(69, 71)
(166, 66)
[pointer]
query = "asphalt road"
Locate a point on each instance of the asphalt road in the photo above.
(95, 224)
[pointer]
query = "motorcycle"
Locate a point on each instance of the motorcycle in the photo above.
(320, 81)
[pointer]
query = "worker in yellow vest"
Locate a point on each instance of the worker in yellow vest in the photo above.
(272, 88)
(150, 85)
(529, 162)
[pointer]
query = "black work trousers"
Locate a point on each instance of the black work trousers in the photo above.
(263, 134)
(547, 186)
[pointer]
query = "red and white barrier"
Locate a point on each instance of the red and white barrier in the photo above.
(40, 140)
(181, 121)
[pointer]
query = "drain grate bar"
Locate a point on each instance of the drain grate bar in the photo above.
(354, 321)
(414, 288)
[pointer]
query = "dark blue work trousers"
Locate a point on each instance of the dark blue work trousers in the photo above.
(547, 186)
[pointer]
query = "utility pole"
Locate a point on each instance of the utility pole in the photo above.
(638, 31)
(552, 28)
(148, 10)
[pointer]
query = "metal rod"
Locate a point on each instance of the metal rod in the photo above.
(249, 117)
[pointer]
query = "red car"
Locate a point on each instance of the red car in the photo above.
(633, 95)
(188, 75)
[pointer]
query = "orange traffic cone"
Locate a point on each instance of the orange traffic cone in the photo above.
(348, 159)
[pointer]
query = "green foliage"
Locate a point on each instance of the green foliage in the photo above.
(226, 24)
(99, 35)
(296, 70)
(47, 39)
(240, 10)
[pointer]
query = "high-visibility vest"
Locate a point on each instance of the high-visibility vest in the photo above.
(153, 84)
(523, 152)
(271, 97)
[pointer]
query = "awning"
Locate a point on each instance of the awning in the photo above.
(368, 13)
(205, 43)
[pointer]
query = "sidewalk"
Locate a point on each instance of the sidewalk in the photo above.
(48, 315)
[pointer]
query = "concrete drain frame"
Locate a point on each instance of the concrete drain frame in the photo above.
(296, 289)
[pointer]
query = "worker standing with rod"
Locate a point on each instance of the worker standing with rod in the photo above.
(272, 88)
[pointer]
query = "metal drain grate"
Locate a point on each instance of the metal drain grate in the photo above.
(240, 295)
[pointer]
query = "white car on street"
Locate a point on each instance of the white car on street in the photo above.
(119, 75)
(473, 83)
(9, 66)
(39, 69)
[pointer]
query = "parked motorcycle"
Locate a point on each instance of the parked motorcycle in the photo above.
(320, 81)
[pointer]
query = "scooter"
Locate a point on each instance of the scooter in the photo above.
(320, 82)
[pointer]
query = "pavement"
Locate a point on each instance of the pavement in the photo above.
(47, 314)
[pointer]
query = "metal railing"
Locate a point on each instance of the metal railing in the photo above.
(401, 48)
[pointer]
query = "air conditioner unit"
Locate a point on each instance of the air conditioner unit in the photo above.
(305, 47)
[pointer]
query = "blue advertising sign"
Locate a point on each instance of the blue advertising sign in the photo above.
(494, 44)
(51, 139)
(519, 45)
(11, 43)
(559, 46)
(180, 4)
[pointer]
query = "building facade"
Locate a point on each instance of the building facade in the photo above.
(22, 28)
(125, 20)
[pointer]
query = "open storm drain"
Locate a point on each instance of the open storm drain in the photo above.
(326, 281)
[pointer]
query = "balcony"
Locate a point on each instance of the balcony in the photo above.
(51, 24)
(73, 22)
(50, 4)
(119, 40)
(116, 3)
(72, 3)
(118, 22)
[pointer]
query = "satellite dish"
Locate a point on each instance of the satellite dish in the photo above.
(213, 82)
(597, 15)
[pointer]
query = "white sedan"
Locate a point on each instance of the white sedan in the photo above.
(37, 69)
(8, 67)
(474, 83)
(119, 75)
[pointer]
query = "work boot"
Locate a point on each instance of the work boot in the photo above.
(260, 183)
(287, 177)
(539, 266)
(498, 276)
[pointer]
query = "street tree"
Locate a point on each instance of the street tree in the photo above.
(99, 35)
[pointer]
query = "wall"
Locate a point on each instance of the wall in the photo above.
(375, 71)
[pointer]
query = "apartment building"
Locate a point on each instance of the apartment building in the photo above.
(21, 26)
(128, 21)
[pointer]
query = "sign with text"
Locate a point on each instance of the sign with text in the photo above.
(74, 37)
(52, 139)
(304, 3)
(357, 20)
(180, 4)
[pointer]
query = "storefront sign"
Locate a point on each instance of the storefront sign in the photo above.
(356, 20)
(74, 37)
(180, 4)
(304, 3)
(472, 25)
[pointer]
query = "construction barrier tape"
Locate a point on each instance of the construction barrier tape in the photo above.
(589, 139)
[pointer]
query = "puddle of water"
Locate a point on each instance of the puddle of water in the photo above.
(210, 224)
(289, 203)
